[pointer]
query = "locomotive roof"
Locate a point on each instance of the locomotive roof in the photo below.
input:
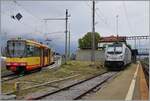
(115, 43)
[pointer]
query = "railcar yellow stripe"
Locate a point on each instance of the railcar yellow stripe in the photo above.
(28, 60)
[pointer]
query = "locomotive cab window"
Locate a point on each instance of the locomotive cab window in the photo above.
(115, 49)
(118, 50)
(110, 49)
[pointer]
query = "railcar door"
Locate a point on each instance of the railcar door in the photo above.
(45, 57)
(48, 56)
(42, 57)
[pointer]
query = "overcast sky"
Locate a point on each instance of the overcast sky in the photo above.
(133, 19)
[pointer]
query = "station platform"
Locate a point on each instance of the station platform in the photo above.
(129, 84)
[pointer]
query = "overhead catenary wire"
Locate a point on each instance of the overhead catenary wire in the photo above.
(100, 16)
(104, 21)
(29, 26)
(20, 7)
(96, 13)
(100, 13)
(127, 18)
(37, 18)
(20, 22)
(46, 35)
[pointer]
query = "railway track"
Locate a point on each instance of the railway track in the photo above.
(7, 74)
(77, 90)
(11, 76)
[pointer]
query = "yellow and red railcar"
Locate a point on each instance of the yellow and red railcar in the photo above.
(27, 55)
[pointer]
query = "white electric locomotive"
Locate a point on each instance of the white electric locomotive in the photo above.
(117, 55)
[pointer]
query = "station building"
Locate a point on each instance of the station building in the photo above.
(104, 41)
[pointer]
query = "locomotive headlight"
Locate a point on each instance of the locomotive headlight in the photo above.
(107, 56)
(121, 56)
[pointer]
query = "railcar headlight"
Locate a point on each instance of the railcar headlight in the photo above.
(8, 64)
(23, 64)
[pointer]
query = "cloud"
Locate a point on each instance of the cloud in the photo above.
(133, 21)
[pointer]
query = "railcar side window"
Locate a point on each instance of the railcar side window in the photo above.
(33, 51)
(30, 50)
(45, 52)
(36, 51)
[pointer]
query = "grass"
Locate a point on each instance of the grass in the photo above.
(84, 68)
(146, 60)
(3, 70)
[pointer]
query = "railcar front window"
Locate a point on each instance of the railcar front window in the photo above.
(16, 48)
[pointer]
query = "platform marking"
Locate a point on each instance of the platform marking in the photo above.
(132, 85)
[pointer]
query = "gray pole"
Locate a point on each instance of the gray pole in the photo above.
(117, 24)
(66, 36)
(135, 43)
(69, 43)
(149, 34)
(66, 25)
(93, 33)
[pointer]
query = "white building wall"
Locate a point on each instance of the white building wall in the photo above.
(85, 55)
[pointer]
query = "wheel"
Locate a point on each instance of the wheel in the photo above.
(21, 70)
(39, 69)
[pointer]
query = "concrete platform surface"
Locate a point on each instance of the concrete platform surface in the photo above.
(125, 86)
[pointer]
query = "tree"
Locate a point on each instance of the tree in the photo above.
(86, 41)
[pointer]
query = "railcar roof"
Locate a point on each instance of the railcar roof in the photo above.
(30, 41)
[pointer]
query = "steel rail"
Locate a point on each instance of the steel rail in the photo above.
(14, 76)
(72, 85)
(99, 84)
(44, 84)
(7, 74)
(11, 78)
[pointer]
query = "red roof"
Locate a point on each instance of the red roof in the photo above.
(113, 39)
